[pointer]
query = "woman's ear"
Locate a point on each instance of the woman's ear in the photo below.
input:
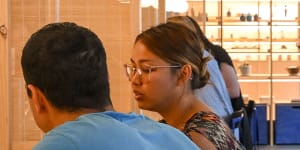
(186, 73)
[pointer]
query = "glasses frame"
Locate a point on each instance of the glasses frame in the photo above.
(139, 71)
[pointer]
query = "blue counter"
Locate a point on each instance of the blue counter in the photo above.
(287, 123)
(259, 125)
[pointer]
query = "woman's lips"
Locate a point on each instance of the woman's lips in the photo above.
(137, 95)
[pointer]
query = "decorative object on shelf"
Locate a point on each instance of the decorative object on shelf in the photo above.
(192, 12)
(242, 17)
(228, 13)
(293, 70)
(285, 10)
(255, 17)
(249, 17)
(199, 17)
(245, 69)
(283, 47)
(298, 43)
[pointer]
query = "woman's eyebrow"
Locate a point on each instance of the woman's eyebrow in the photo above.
(141, 61)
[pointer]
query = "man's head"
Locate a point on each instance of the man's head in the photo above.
(66, 63)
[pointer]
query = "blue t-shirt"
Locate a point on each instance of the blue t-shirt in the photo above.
(215, 93)
(114, 131)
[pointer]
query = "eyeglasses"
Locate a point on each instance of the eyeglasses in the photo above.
(143, 72)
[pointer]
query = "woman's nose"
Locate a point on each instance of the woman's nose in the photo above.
(136, 79)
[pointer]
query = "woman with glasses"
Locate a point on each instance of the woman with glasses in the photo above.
(166, 65)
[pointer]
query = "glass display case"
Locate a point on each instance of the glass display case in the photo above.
(262, 38)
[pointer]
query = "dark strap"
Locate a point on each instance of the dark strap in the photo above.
(246, 138)
(239, 119)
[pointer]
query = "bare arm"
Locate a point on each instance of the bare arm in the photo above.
(231, 80)
(202, 142)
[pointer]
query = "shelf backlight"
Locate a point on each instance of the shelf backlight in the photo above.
(268, 80)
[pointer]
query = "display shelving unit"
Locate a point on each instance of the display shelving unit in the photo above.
(267, 39)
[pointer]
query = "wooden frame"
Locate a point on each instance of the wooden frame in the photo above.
(4, 86)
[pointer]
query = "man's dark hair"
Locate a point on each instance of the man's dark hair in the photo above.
(67, 63)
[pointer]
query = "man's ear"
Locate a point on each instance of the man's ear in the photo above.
(39, 102)
(185, 73)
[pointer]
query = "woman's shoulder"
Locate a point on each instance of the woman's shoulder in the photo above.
(209, 125)
(204, 119)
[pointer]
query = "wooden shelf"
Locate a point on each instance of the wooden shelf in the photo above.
(237, 19)
(260, 42)
(244, 39)
(278, 77)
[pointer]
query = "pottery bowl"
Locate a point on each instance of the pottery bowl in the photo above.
(293, 70)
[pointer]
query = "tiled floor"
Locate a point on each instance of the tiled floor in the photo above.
(278, 147)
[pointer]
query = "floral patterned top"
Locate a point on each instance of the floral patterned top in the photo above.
(214, 129)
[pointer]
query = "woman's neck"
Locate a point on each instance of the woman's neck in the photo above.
(177, 114)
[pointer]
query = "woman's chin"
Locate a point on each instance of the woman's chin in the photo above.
(143, 106)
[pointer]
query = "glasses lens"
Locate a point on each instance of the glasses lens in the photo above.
(130, 71)
(142, 73)
(127, 71)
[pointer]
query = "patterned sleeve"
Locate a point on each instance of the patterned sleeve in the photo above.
(214, 129)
